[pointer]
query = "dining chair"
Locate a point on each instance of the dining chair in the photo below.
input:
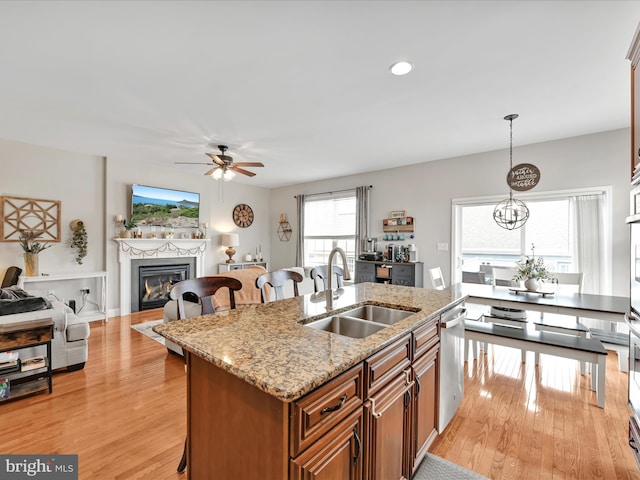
(473, 277)
(437, 280)
(320, 273)
(277, 280)
(201, 289)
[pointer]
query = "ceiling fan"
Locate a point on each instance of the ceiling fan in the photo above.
(223, 165)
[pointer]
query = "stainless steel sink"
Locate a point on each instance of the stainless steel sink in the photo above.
(360, 322)
(347, 326)
(375, 313)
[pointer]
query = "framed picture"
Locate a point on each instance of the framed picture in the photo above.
(398, 213)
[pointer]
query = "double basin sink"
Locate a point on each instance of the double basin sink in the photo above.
(360, 322)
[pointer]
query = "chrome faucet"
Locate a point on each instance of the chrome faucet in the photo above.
(346, 275)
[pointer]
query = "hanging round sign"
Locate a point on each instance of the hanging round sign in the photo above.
(523, 177)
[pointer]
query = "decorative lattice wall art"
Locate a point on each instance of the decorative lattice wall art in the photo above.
(37, 216)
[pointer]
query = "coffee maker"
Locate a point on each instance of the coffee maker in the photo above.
(371, 250)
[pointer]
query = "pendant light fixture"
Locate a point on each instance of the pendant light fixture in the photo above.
(511, 213)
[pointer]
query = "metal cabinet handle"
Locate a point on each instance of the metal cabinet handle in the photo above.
(407, 399)
(632, 444)
(335, 407)
(358, 446)
(418, 386)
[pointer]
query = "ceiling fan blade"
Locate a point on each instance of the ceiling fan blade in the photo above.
(210, 172)
(216, 159)
(248, 164)
(242, 171)
(194, 163)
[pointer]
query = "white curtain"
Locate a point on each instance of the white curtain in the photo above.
(587, 213)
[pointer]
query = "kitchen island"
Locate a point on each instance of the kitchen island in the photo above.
(269, 397)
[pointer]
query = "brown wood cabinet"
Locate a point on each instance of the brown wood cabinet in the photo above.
(387, 427)
(337, 455)
(373, 422)
(424, 405)
(634, 56)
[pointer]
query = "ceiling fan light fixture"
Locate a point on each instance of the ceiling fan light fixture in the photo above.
(228, 175)
(217, 174)
(401, 68)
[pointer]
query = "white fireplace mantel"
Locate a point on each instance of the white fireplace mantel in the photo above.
(141, 248)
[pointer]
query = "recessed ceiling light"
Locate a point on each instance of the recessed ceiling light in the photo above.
(401, 68)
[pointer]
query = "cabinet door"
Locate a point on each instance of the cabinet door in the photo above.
(386, 417)
(403, 275)
(365, 272)
(335, 456)
(424, 405)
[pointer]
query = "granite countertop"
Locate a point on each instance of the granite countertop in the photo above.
(268, 347)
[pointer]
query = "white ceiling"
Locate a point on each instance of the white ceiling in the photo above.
(304, 86)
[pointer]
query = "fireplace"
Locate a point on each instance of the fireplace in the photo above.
(155, 252)
(154, 284)
(152, 279)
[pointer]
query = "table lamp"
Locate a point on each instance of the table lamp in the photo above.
(230, 240)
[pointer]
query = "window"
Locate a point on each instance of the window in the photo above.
(570, 229)
(484, 242)
(330, 221)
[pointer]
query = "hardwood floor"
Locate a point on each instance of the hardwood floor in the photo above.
(124, 415)
(519, 421)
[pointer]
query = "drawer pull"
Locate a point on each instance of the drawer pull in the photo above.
(358, 446)
(632, 444)
(335, 407)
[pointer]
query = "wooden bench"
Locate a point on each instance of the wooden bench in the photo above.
(550, 343)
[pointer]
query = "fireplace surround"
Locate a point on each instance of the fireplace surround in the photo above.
(131, 251)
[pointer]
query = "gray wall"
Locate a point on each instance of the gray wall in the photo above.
(95, 190)
(426, 190)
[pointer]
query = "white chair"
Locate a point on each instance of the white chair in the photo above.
(437, 280)
(503, 276)
(555, 322)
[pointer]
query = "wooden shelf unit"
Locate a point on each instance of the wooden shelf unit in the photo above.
(19, 335)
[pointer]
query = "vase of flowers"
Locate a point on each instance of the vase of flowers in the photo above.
(32, 249)
(532, 270)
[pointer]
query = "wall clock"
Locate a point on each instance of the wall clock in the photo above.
(243, 215)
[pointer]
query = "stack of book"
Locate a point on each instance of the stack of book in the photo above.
(9, 362)
(33, 363)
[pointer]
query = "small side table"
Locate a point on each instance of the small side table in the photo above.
(19, 335)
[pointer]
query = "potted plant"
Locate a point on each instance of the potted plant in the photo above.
(128, 226)
(79, 240)
(532, 270)
(31, 248)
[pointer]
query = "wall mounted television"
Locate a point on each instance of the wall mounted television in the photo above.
(164, 207)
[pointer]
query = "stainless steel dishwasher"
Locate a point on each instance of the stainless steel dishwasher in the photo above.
(451, 364)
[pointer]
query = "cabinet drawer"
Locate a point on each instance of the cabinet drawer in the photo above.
(386, 364)
(425, 337)
(321, 410)
(362, 267)
(403, 271)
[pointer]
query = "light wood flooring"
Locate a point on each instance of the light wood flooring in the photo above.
(124, 415)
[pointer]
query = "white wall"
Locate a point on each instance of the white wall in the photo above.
(76, 180)
(215, 209)
(425, 191)
(96, 190)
